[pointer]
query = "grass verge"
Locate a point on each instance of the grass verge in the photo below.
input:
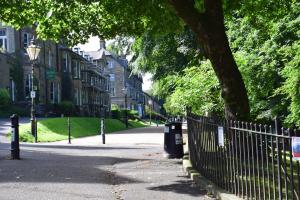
(56, 129)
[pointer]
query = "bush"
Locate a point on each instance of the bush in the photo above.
(115, 114)
(66, 107)
(133, 114)
(4, 98)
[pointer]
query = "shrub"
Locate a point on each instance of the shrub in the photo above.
(66, 107)
(115, 114)
(115, 111)
(133, 114)
(4, 98)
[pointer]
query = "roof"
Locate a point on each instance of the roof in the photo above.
(101, 53)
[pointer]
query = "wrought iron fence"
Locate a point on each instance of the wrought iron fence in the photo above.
(253, 161)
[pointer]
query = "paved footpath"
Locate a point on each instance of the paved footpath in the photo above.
(131, 166)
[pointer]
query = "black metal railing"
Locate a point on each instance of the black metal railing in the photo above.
(253, 161)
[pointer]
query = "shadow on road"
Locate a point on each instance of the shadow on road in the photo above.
(61, 167)
(181, 187)
(145, 130)
(78, 147)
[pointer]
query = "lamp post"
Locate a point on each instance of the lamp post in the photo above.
(126, 114)
(33, 52)
(150, 102)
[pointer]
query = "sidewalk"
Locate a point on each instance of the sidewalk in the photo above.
(130, 166)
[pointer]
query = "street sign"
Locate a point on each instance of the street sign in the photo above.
(221, 136)
(50, 74)
(32, 94)
(296, 148)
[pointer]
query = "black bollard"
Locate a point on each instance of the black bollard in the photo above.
(102, 131)
(69, 130)
(15, 146)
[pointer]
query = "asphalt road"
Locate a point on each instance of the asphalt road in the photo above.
(131, 166)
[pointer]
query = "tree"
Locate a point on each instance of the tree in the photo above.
(76, 20)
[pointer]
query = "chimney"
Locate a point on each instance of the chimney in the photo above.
(102, 43)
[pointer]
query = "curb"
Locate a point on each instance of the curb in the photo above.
(213, 191)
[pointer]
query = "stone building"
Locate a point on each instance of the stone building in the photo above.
(6, 81)
(121, 80)
(60, 74)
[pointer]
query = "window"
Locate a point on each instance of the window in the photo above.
(12, 90)
(80, 97)
(65, 62)
(92, 80)
(76, 93)
(26, 39)
(75, 68)
(113, 92)
(111, 64)
(79, 70)
(28, 85)
(58, 92)
(50, 59)
(112, 77)
(3, 40)
(52, 92)
(3, 32)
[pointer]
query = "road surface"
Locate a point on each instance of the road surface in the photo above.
(131, 166)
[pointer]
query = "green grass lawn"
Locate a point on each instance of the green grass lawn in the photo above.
(56, 129)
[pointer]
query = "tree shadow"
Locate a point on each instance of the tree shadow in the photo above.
(181, 187)
(144, 130)
(78, 147)
(45, 167)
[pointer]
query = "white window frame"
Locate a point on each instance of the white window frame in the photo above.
(50, 64)
(52, 92)
(113, 92)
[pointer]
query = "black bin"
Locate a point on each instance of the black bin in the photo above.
(173, 143)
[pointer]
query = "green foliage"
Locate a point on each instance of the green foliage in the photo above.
(268, 60)
(66, 107)
(133, 114)
(114, 107)
(4, 98)
(165, 55)
(120, 114)
(120, 45)
(13, 109)
(263, 36)
(290, 88)
(78, 19)
(198, 89)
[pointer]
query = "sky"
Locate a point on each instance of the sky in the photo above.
(93, 45)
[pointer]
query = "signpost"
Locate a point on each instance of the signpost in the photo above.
(32, 94)
(296, 148)
(221, 136)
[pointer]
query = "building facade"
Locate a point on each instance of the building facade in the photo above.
(60, 74)
(125, 87)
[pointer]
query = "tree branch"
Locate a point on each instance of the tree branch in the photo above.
(186, 10)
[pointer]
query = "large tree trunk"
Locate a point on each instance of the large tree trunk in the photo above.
(210, 30)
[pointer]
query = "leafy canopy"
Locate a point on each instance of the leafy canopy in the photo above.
(76, 20)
